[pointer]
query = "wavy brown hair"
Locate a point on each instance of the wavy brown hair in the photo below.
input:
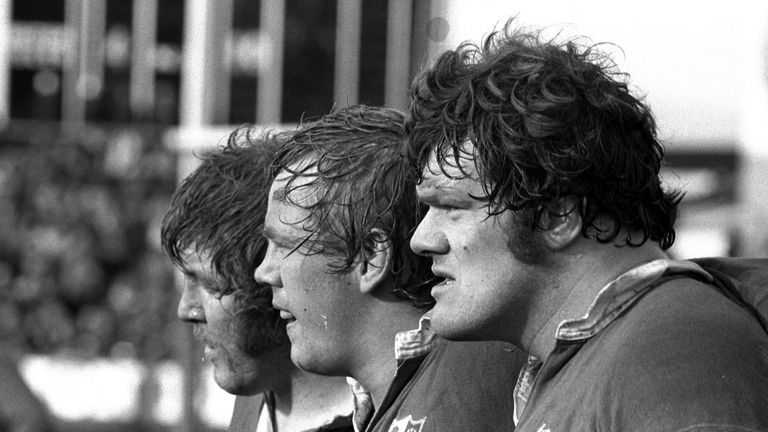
(548, 120)
(363, 192)
(219, 210)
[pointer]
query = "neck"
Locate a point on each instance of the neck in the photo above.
(583, 273)
(310, 400)
(376, 365)
(283, 388)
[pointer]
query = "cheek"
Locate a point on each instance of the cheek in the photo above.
(483, 240)
(526, 246)
(481, 248)
(216, 315)
(303, 281)
(258, 333)
(305, 288)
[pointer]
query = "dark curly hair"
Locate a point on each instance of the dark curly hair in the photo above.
(219, 210)
(548, 120)
(352, 162)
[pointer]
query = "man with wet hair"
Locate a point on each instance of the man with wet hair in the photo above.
(212, 232)
(341, 211)
(549, 224)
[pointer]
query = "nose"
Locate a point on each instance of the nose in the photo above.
(190, 307)
(429, 239)
(267, 271)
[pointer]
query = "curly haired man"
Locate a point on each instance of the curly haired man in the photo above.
(549, 224)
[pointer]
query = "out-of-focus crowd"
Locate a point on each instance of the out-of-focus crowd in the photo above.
(80, 269)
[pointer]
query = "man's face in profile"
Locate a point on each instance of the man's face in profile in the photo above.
(489, 286)
(238, 368)
(316, 301)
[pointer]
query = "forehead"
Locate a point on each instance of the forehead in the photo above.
(196, 261)
(289, 187)
(449, 171)
(287, 196)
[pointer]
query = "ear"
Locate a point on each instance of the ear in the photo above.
(561, 223)
(374, 266)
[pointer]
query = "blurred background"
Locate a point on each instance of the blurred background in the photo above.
(105, 103)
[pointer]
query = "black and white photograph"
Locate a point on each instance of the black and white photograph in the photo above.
(383, 216)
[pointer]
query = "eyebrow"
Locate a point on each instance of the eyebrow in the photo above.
(197, 275)
(437, 197)
(434, 188)
(270, 233)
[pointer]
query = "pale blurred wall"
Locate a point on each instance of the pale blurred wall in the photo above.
(703, 67)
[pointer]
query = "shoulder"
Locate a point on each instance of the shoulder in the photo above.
(680, 314)
(744, 278)
(339, 424)
(461, 386)
(476, 358)
(475, 367)
(687, 346)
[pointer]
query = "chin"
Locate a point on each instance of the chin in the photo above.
(449, 327)
(303, 362)
(234, 385)
(317, 364)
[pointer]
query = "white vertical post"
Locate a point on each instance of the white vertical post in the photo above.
(753, 178)
(92, 36)
(398, 60)
(270, 84)
(83, 66)
(346, 85)
(204, 70)
(5, 62)
(192, 99)
(438, 27)
(72, 102)
(142, 76)
(430, 31)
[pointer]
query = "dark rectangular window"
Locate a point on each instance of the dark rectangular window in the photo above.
(310, 48)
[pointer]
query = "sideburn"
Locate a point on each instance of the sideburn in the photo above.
(523, 239)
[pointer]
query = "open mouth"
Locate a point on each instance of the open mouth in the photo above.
(442, 284)
(198, 332)
(208, 352)
(441, 274)
(209, 349)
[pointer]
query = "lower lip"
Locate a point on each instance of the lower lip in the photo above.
(291, 324)
(442, 286)
(208, 352)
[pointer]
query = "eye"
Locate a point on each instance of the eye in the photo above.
(446, 207)
(277, 248)
(211, 286)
